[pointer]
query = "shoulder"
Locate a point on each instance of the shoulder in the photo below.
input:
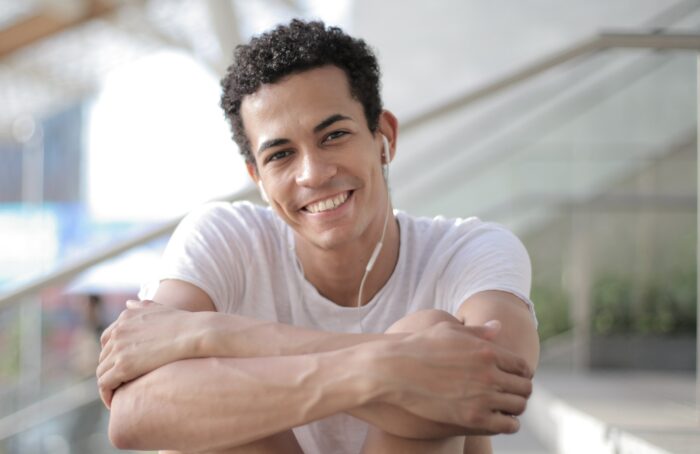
(456, 232)
(227, 213)
(222, 228)
(463, 245)
(223, 218)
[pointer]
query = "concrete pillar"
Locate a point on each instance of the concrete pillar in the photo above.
(697, 245)
(580, 285)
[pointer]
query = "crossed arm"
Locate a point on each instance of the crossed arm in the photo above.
(202, 374)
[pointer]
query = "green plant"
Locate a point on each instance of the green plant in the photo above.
(664, 306)
(552, 308)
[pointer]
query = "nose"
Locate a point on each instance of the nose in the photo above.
(315, 169)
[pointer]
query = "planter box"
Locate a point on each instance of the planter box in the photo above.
(643, 352)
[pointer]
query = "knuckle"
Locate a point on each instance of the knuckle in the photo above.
(487, 352)
(487, 377)
(472, 417)
(478, 419)
(118, 332)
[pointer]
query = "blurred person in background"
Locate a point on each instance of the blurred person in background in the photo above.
(85, 421)
(87, 336)
(327, 322)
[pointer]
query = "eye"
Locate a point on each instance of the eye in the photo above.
(277, 155)
(335, 135)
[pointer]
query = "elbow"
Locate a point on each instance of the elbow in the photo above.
(119, 438)
(123, 423)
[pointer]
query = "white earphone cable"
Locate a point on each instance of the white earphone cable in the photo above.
(380, 243)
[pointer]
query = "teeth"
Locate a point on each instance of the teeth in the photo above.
(328, 204)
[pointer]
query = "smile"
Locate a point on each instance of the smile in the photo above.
(328, 204)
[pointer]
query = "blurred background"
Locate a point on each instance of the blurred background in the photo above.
(572, 123)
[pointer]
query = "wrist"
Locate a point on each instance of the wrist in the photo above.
(376, 370)
(205, 341)
(351, 369)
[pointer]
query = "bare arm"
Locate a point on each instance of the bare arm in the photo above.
(212, 403)
(203, 404)
(518, 334)
(142, 399)
(147, 336)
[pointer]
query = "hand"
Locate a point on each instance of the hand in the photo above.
(454, 374)
(146, 336)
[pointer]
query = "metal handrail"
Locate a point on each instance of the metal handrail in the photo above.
(57, 404)
(604, 41)
(70, 270)
(637, 40)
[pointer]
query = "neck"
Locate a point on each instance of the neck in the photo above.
(337, 273)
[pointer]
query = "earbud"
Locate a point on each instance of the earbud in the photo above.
(263, 194)
(386, 158)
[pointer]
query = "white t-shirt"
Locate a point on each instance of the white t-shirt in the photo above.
(243, 257)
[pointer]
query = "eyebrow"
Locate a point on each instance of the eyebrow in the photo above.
(271, 143)
(329, 121)
(319, 127)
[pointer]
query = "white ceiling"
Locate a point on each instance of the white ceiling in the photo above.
(429, 50)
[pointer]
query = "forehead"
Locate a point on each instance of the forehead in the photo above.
(298, 102)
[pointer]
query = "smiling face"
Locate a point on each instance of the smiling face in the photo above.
(317, 159)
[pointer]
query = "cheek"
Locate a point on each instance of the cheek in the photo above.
(279, 193)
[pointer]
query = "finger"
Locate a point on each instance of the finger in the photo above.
(106, 396)
(106, 350)
(110, 381)
(493, 328)
(509, 404)
(502, 423)
(487, 331)
(104, 366)
(107, 333)
(512, 363)
(135, 304)
(513, 384)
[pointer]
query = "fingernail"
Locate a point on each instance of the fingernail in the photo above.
(493, 324)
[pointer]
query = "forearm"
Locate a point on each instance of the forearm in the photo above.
(231, 335)
(248, 337)
(241, 336)
(202, 404)
(399, 422)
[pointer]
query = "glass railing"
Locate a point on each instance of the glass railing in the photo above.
(594, 165)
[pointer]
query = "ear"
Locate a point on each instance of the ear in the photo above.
(389, 126)
(252, 171)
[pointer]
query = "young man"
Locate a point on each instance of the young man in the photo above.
(327, 323)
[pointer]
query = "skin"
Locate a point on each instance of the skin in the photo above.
(311, 141)
(313, 164)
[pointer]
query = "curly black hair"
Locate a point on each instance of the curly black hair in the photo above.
(290, 49)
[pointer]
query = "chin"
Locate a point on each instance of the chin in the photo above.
(327, 240)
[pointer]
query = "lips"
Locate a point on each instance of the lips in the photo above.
(328, 204)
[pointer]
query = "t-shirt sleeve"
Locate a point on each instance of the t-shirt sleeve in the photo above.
(489, 258)
(206, 250)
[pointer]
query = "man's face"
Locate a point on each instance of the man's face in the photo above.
(316, 157)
